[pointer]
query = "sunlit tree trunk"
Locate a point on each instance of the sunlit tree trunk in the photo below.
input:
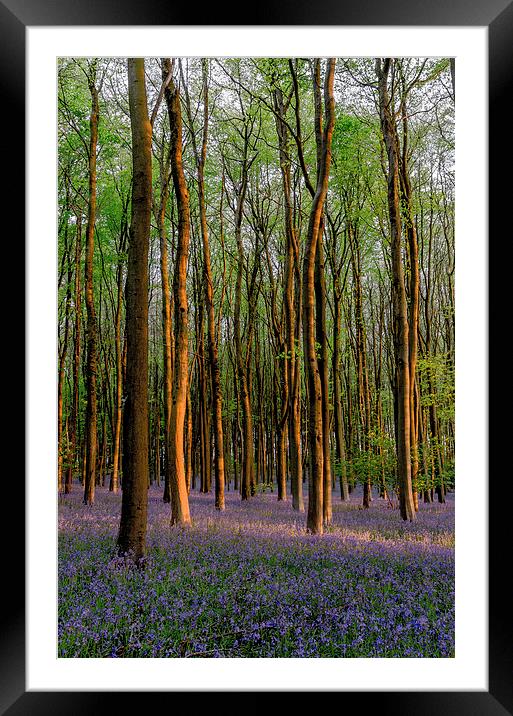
(413, 285)
(188, 445)
(179, 499)
(320, 312)
(321, 338)
(313, 377)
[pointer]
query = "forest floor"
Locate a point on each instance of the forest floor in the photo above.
(249, 582)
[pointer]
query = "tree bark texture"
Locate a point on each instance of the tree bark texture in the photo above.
(400, 309)
(179, 499)
(313, 377)
(134, 505)
(92, 409)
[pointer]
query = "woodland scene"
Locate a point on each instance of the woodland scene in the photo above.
(256, 351)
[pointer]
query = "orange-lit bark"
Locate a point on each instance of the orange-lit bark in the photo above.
(315, 515)
(179, 499)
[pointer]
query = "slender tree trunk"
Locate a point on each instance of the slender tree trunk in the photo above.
(155, 473)
(295, 457)
(204, 427)
(215, 375)
(436, 467)
(281, 376)
(247, 418)
(313, 377)
(166, 322)
(114, 481)
(60, 388)
(435, 444)
(361, 360)
(179, 500)
(414, 288)
(102, 462)
(72, 460)
(292, 251)
(401, 327)
(188, 445)
(349, 431)
(116, 459)
(320, 300)
(91, 409)
(337, 398)
(425, 466)
(320, 313)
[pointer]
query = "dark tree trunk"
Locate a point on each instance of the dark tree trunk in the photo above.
(167, 331)
(291, 309)
(401, 326)
(116, 460)
(213, 358)
(361, 359)
(62, 361)
(134, 504)
(414, 288)
(73, 454)
(247, 417)
(337, 397)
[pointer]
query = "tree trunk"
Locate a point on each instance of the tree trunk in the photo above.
(291, 265)
(202, 392)
(414, 287)
(337, 398)
(215, 375)
(116, 460)
(361, 359)
(320, 314)
(188, 445)
(60, 388)
(179, 500)
(313, 377)
(134, 504)
(401, 327)
(167, 327)
(242, 383)
(73, 454)
(91, 409)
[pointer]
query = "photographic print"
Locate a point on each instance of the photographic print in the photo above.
(38, 39)
(256, 357)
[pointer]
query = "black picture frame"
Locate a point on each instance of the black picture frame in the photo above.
(497, 16)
